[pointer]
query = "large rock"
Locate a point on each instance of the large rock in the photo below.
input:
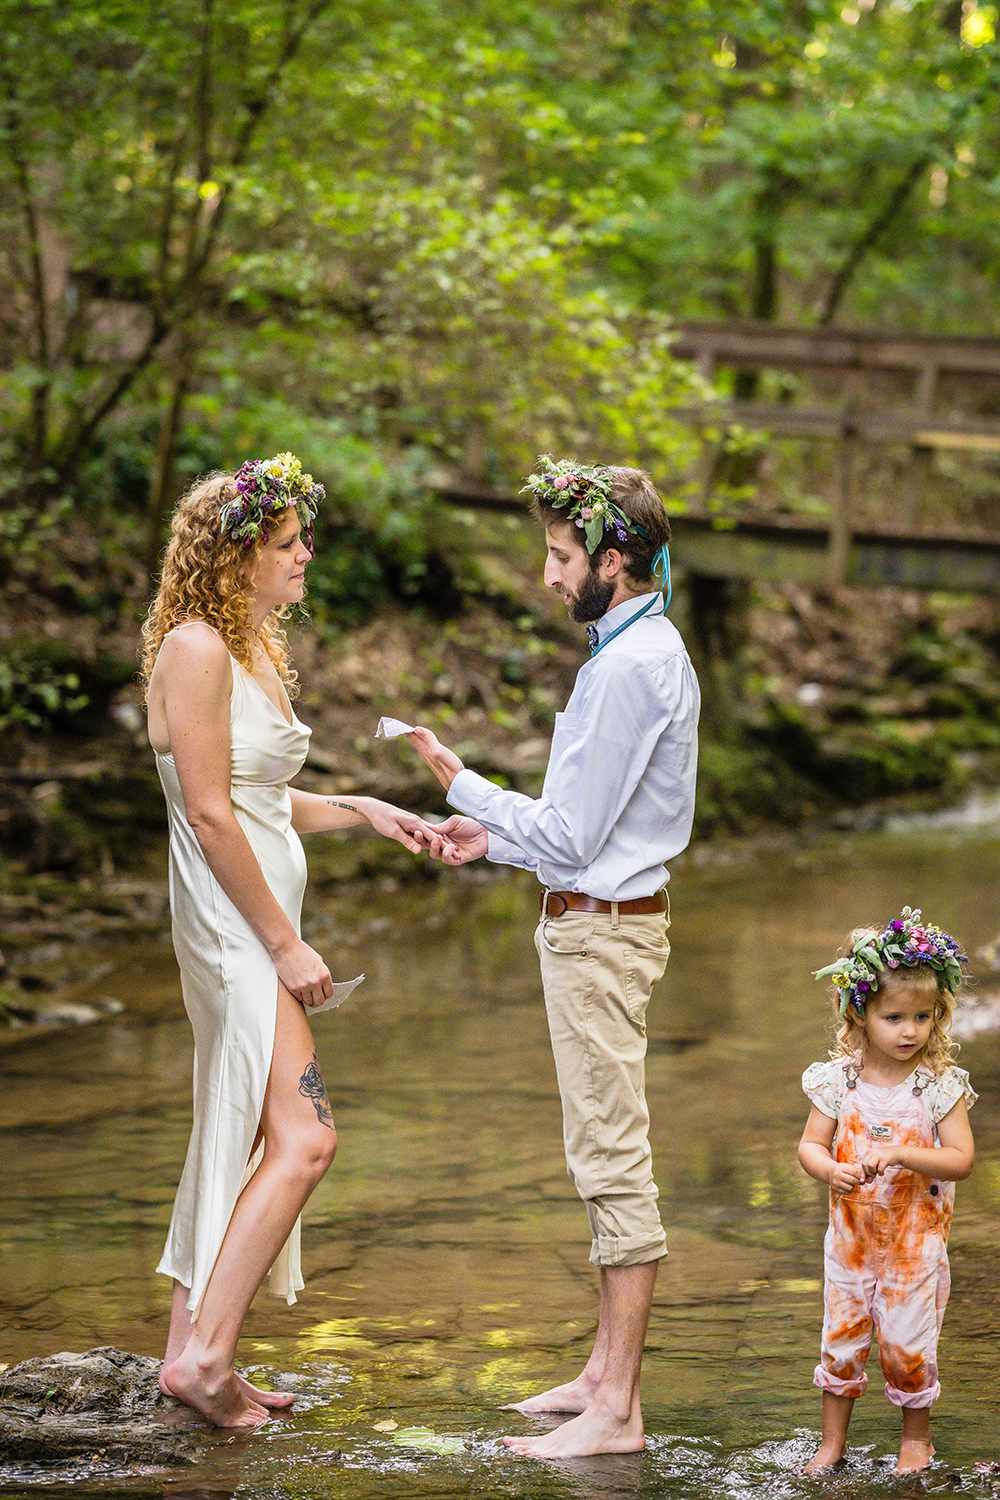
(103, 1404)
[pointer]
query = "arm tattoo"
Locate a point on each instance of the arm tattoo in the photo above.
(347, 806)
(312, 1086)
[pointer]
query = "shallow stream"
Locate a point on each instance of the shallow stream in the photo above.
(445, 1254)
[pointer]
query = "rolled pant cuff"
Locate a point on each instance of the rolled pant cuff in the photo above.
(838, 1387)
(637, 1250)
(913, 1400)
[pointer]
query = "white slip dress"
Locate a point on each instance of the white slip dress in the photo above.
(230, 986)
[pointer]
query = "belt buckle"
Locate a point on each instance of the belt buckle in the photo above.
(548, 911)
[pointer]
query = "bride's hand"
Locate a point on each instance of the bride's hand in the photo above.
(406, 828)
(303, 973)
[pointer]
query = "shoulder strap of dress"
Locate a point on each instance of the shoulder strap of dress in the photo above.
(184, 623)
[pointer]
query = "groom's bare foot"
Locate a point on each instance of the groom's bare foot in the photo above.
(216, 1395)
(596, 1430)
(575, 1396)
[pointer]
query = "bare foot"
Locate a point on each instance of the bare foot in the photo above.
(596, 1430)
(269, 1400)
(575, 1396)
(828, 1456)
(914, 1454)
(217, 1397)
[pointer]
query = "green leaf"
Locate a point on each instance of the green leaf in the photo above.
(426, 1438)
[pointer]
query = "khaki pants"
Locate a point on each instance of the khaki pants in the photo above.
(597, 973)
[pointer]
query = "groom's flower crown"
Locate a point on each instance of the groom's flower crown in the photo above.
(584, 493)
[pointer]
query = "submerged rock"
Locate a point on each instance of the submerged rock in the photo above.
(105, 1404)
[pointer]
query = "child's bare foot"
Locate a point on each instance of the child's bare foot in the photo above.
(216, 1395)
(576, 1395)
(827, 1456)
(914, 1454)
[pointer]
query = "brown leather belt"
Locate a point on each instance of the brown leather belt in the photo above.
(554, 903)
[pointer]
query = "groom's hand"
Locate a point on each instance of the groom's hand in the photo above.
(458, 840)
(443, 762)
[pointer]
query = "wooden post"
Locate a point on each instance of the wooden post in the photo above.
(840, 515)
(918, 471)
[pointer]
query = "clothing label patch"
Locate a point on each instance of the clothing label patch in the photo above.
(880, 1132)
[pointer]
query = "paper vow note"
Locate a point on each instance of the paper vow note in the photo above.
(389, 728)
(340, 994)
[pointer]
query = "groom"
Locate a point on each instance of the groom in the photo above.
(616, 804)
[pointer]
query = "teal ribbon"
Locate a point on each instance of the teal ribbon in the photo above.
(618, 630)
(662, 562)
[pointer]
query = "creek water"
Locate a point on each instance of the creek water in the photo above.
(446, 1254)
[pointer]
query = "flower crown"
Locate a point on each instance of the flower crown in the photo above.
(904, 943)
(266, 486)
(584, 493)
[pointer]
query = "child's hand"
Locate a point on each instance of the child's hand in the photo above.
(847, 1175)
(877, 1159)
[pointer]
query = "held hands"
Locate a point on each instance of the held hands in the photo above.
(406, 828)
(458, 840)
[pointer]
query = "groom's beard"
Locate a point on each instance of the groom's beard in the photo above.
(593, 599)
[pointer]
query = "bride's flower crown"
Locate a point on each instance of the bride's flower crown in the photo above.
(267, 486)
(584, 493)
(903, 944)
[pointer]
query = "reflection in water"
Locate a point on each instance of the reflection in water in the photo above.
(446, 1254)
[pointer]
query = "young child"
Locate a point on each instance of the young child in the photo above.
(889, 1133)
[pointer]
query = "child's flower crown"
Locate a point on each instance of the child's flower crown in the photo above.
(584, 493)
(903, 944)
(266, 486)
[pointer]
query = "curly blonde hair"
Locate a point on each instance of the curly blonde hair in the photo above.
(204, 578)
(940, 1049)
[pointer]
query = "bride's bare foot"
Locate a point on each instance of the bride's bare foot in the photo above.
(575, 1396)
(216, 1395)
(270, 1400)
(914, 1454)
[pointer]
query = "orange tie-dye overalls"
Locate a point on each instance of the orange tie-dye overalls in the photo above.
(884, 1257)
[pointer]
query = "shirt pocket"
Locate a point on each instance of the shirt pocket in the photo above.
(564, 732)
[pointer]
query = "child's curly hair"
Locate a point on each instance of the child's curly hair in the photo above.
(204, 578)
(940, 1048)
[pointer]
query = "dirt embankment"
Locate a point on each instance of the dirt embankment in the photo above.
(828, 706)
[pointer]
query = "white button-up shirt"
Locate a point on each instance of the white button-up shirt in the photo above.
(618, 796)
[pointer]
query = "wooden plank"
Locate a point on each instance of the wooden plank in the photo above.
(776, 552)
(870, 424)
(753, 345)
(873, 559)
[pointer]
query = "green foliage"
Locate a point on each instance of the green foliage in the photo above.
(37, 693)
(454, 235)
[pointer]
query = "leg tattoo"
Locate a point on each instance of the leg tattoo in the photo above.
(312, 1086)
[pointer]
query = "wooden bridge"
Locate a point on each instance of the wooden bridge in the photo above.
(932, 376)
(780, 550)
